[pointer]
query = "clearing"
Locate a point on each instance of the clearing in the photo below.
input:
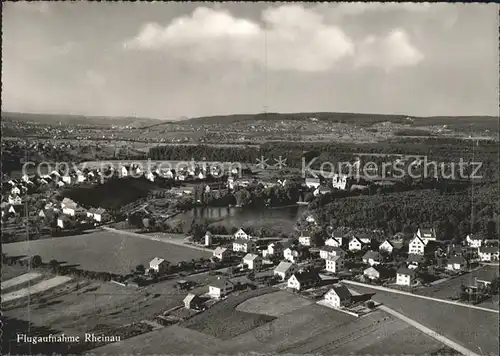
(103, 251)
(274, 304)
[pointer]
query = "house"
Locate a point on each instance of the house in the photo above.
(372, 273)
(334, 241)
(456, 263)
(66, 179)
(313, 182)
(405, 277)
(41, 214)
(330, 251)
(241, 235)
(372, 258)
(159, 265)
(386, 246)
(416, 246)
(201, 176)
(15, 191)
(253, 261)
(474, 240)
(11, 210)
(220, 288)
(355, 244)
(68, 207)
(151, 177)
(208, 238)
(100, 215)
(310, 219)
(338, 296)
(488, 254)
(192, 301)
(414, 261)
(334, 264)
(285, 270)
(339, 181)
(15, 200)
(306, 239)
(80, 178)
(292, 254)
(426, 234)
(247, 246)
(63, 222)
(90, 213)
(124, 171)
(273, 249)
(221, 253)
(303, 280)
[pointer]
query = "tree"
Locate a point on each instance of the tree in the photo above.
(36, 261)
(140, 269)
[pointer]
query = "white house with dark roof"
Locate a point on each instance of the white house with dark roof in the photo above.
(456, 263)
(405, 277)
(474, 240)
(330, 251)
(303, 280)
(488, 254)
(312, 182)
(334, 241)
(306, 238)
(416, 246)
(372, 258)
(338, 296)
(241, 245)
(355, 244)
(253, 261)
(386, 246)
(220, 288)
(426, 234)
(241, 235)
(285, 270)
(273, 249)
(334, 264)
(292, 254)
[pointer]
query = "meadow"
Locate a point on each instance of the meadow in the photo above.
(103, 251)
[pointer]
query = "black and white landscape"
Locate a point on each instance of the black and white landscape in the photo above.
(229, 178)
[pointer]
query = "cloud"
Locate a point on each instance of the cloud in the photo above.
(358, 8)
(290, 38)
(391, 51)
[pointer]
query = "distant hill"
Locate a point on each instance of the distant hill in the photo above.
(104, 121)
(348, 118)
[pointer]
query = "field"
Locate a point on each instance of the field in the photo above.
(471, 328)
(35, 289)
(103, 251)
(311, 329)
(224, 321)
(9, 272)
(274, 304)
(24, 278)
(451, 287)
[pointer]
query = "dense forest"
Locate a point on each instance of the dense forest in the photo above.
(439, 150)
(454, 214)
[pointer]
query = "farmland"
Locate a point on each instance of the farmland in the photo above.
(36, 288)
(451, 287)
(103, 251)
(274, 304)
(469, 327)
(224, 321)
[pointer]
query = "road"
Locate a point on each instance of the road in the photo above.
(390, 290)
(450, 343)
(152, 238)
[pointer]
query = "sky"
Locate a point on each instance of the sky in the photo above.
(172, 60)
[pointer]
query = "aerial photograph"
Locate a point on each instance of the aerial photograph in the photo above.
(250, 178)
